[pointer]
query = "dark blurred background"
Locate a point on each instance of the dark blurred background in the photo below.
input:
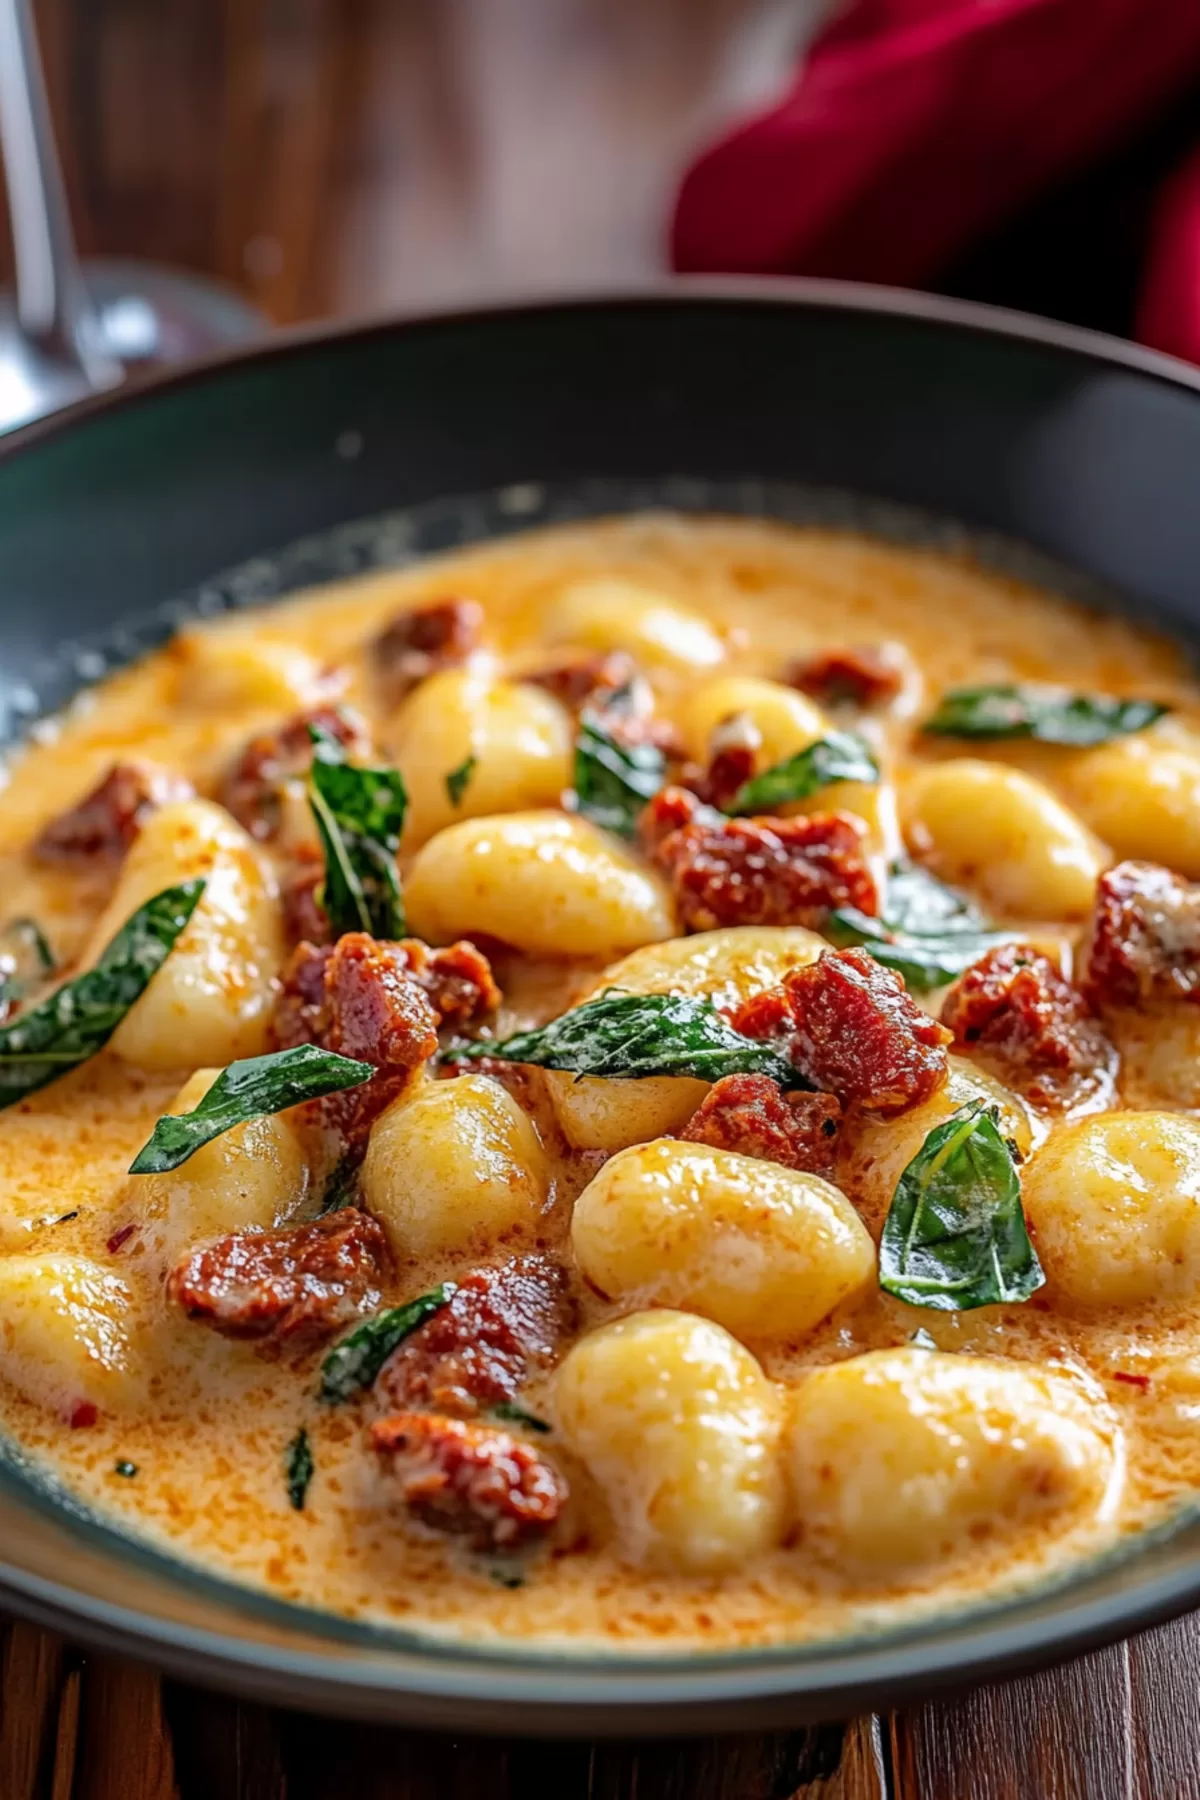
(333, 156)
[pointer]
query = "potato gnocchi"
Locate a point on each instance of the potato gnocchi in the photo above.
(669, 1060)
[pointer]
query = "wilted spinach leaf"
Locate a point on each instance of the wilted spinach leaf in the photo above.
(360, 816)
(630, 1037)
(357, 1360)
(1012, 710)
(838, 757)
(929, 933)
(249, 1089)
(459, 779)
(301, 1467)
(77, 1019)
(615, 774)
(955, 1235)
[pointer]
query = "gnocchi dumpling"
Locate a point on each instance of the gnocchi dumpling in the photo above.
(248, 1179)
(610, 614)
(728, 966)
(212, 999)
(1113, 1203)
(65, 1336)
(1006, 836)
(785, 721)
(455, 1167)
(767, 1252)
(545, 882)
(229, 668)
(679, 1428)
(519, 738)
(1142, 795)
(902, 1458)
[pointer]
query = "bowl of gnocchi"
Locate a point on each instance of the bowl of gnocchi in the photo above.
(599, 1083)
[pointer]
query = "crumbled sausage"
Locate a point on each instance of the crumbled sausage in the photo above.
(457, 978)
(1144, 942)
(855, 1033)
(865, 675)
(252, 789)
(752, 1115)
(580, 678)
(475, 1480)
(293, 1286)
(499, 1326)
(357, 997)
(767, 871)
(101, 826)
(415, 644)
(1015, 1009)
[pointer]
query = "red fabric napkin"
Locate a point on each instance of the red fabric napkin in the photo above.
(915, 126)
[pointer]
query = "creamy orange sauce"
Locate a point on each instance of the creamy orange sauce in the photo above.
(206, 1421)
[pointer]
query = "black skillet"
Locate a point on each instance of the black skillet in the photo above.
(325, 453)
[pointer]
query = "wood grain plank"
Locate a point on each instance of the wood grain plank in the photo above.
(229, 1749)
(124, 1745)
(1164, 1679)
(1066, 1734)
(33, 1670)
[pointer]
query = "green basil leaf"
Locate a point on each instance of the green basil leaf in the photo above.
(838, 757)
(301, 1467)
(613, 779)
(250, 1089)
(70, 1025)
(512, 1414)
(929, 933)
(360, 816)
(1010, 710)
(458, 780)
(630, 1037)
(357, 1360)
(955, 1235)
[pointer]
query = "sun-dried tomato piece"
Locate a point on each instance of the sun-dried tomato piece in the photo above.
(500, 1326)
(457, 978)
(474, 1480)
(670, 810)
(577, 679)
(863, 675)
(293, 1286)
(1144, 943)
(752, 1115)
(767, 871)
(733, 752)
(357, 997)
(304, 918)
(100, 827)
(856, 1033)
(440, 635)
(252, 789)
(1016, 1010)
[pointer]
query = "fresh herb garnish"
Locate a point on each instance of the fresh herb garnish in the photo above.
(300, 1468)
(1052, 715)
(504, 1577)
(357, 1360)
(73, 1023)
(25, 959)
(615, 774)
(955, 1235)
(511, 1414)
(360, 816)
(341, 1187)
(630, 1037)
(250, 1089)
(921, 1340)
(929, 933)
(838, 757)
(458, 780)
(127, 1469)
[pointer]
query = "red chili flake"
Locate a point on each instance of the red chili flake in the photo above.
(119, 1239)
(83, 1414)
(1137, 1381)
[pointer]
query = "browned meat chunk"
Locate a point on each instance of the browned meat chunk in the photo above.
(1144, 943)
(855, 1033)
(580, 678)
(867, 675)
(767, 871)
(1015, 1009)
(253, 786)
(500, 1326)
(415, 644)
(101, 827)
(752, 1115)
(457, 978)
(473, 1480)
(357, 997)
(293, 1286)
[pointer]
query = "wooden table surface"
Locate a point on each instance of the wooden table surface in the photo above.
(1123, 1724)
(335, 155)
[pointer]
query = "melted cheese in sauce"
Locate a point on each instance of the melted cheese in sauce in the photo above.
(206, 1421)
